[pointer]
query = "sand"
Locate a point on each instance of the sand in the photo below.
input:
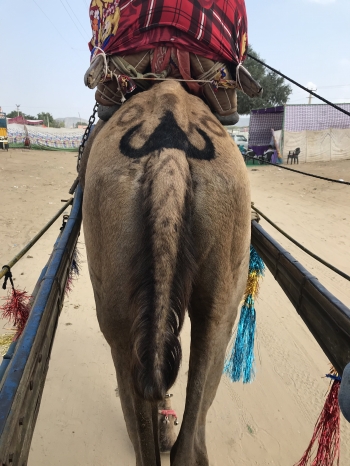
(268, 422)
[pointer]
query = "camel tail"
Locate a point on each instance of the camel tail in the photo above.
(163, 272)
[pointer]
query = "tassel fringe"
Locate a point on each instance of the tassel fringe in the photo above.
(16, 310)
(240, 364)
(74, 271)
(326, 432)
(17, 305)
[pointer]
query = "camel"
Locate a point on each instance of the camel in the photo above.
(166, 215)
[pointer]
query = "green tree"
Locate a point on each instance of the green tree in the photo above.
(46, 117)
(276, 91)
(83, 123)
(58, 124)
(49, 120)
(14, 114)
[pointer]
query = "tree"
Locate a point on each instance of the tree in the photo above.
(45, 116)
(276, 91)
(80, 123)
(14, 114)
(49, 120)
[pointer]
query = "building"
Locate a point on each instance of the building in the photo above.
(320, 131)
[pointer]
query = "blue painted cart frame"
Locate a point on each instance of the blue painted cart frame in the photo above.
(327, 318)
(23, 382)
(25, 372)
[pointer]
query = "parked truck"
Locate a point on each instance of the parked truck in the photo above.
(4, 143)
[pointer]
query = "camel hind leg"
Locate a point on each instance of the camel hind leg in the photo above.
(221, 232)
(213, 312)
(141, 416)
(109, 277)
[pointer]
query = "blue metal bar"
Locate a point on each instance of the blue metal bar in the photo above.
(20, 358)
(326, 317)
(8, 356)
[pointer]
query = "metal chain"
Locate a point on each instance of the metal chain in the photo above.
(86, 135)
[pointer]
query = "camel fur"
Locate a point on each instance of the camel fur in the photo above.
(166, 215)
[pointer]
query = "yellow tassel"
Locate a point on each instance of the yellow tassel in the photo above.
(252, 287)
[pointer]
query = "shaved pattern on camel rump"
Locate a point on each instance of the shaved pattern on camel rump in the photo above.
(167, 226)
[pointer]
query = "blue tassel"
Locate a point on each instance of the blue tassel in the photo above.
(240, 364)
(256, 264)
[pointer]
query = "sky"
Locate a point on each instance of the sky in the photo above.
(45, 52)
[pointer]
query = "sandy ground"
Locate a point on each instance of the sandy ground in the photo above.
(268, 422)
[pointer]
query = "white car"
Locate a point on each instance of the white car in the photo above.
(240, 140)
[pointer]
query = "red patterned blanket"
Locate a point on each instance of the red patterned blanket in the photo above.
(216, 29)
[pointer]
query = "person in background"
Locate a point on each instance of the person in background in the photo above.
(268, 153)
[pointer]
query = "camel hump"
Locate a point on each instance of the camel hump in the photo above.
(163, 271)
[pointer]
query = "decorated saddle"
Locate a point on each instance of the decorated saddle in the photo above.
(201, 42)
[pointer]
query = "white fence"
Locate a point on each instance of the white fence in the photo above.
(318, 146)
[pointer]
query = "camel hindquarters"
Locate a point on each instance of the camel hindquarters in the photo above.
(167, 227)
(141, 263)
(221, 228)
(111, 240)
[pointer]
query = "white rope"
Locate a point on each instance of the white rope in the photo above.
(238, 79)
(106, 97)
(104, 56)
(123, 99)
(108, 73)
(205, 81)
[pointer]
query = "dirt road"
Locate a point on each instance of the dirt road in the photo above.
(268, 422)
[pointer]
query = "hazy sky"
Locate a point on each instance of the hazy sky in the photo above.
(45, 53)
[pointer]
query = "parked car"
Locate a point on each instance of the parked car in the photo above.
(240, 140)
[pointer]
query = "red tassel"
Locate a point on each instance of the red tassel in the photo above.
(327, 432)
(16, 310)
(69, 285)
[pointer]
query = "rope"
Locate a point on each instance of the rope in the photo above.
(319, 259)
(104, 56)
(118, 95)
(238, 79)
(124, 67)
(6, 268)
(211, 73)
(299, 85)
(298, 171)
(188, 80)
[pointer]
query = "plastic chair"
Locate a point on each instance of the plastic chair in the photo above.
(294, 155)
